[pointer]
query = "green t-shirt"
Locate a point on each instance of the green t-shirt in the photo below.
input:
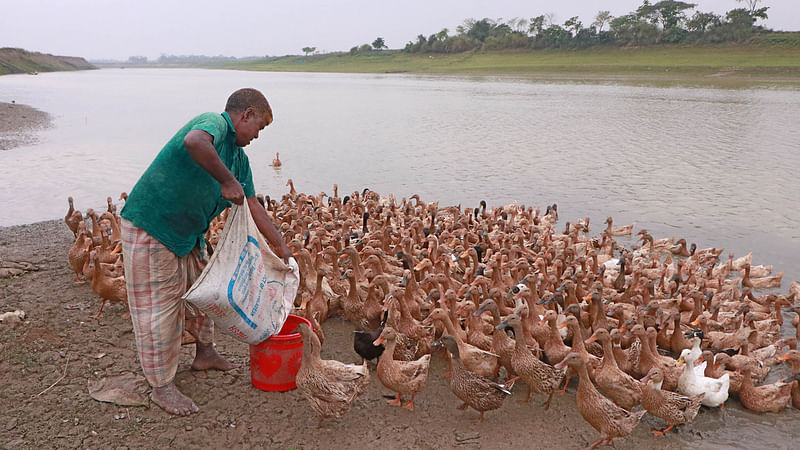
(175, 199)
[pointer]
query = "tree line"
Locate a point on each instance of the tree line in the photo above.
(665, 21)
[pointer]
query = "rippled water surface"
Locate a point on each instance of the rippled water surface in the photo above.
(717, 166)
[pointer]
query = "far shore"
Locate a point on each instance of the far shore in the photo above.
(19, 124)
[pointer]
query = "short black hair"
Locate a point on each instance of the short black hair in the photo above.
(245, 98)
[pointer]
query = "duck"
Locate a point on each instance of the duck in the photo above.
(761, 283)
(716, 368)
(610, 420)
(673, 408)
(476, 360)
(402, 377)
(276, 162)
(363, 341)
(680, 249)
(618, 231)
(621, 388)
(79, 252)
(502, 344)
(692, 384)
(757, 271)
(73, 217)
(628, 358)
(766, 398)
(477, 392)
(540, 377)
(108, 288)
(330, 386)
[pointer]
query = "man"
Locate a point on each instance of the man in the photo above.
(197, 174)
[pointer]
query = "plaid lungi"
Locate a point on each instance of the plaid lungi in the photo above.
(157, 279)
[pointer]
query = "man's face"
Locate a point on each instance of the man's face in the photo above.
(251, 123)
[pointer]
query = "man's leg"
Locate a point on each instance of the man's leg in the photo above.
(200, 325)
(156, 280)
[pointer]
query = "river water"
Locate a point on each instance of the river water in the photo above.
(716, 166)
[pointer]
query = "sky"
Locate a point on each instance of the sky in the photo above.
(117, 29)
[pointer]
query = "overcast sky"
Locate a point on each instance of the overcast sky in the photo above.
(117, 29)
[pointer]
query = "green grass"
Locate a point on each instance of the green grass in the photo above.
(763, 60)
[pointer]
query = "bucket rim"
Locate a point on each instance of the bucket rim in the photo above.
(290, 336)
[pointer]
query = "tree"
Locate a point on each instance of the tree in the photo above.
(702, 22)
(601, 19)
(536, 25)
(751, 5)
(574, 25)
(309, 50)
(379, 44)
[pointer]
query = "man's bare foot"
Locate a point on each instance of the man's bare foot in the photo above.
(206, 358)
(171, 400)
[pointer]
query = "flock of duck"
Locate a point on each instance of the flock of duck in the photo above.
(658, 328)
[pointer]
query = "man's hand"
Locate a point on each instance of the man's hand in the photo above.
(267, 228)
(233, 191)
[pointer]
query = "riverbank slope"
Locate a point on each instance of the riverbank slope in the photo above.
(17, 60)
(766, 61)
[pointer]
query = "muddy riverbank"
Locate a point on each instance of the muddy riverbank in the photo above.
(59, 345)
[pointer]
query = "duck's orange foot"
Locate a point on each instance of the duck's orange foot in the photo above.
(410, 405)
(395, 402)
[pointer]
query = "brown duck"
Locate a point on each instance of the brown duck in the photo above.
(601, 413)
(475, 391)
(329, 386)
(674, 408)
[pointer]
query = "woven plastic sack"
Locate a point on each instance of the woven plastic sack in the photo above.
(245, 289)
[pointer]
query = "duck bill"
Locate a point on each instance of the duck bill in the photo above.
(699, 361)
(501, 325)
(785, 357)
(378, 342)
(645, 379)
(680, 362)
(562, 325)
(479, 311)
(696, 322)
(587, 297)
(560, 365)
(591, 339)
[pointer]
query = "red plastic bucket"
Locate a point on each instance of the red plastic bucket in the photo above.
(275, 362)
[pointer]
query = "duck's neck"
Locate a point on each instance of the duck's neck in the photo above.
(608, 353)
(388, 352)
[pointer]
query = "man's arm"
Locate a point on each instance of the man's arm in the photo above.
(267, 228)
(200, 146)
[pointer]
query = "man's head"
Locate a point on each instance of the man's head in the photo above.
(250, 113)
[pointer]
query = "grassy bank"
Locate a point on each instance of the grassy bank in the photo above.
(740, 61)
(17, 60)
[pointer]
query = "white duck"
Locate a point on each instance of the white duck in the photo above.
(695, 353)
(690, 383)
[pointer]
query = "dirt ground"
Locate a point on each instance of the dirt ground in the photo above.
(19, 123)
(59, 339)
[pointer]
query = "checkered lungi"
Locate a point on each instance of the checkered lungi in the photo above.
(157, 279)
